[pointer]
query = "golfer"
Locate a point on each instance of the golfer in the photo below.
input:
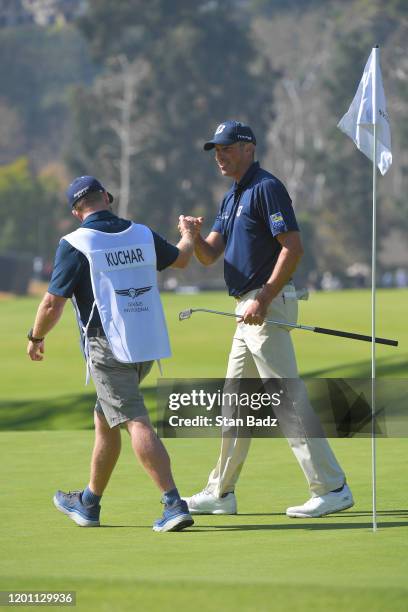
(256, 229)
(108, 267)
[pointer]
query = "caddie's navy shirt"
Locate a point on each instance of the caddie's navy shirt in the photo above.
(71, 274)
(253, 212)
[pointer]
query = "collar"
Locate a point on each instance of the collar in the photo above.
(248, 176)
(100, 215)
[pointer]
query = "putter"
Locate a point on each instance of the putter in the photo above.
(186, 314)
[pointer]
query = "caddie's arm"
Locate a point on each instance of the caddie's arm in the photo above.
(286, 264)
(185, 246)
(48, 315)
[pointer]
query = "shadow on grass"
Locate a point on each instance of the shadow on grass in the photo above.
(66, 412)
(402, 513)
(148, 527)
(387, 366)
(125, 527)
(298, 524)
(315, 526)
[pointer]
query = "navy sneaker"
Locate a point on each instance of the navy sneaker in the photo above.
(71, 505)
(175, 517)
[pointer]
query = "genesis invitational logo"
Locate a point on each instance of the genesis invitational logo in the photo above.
(133, 293)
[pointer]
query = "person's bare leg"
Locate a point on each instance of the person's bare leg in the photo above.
(105, 454)
(151, 453)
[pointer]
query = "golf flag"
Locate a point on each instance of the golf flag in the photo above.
(367, 108)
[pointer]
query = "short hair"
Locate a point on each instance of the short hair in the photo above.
(89, 200)
(244, 144)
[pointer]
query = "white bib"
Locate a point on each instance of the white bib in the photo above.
(124, 283)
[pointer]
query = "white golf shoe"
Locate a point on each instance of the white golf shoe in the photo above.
(325, 504)
(206, 503)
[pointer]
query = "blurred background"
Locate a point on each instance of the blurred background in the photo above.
(129, 91)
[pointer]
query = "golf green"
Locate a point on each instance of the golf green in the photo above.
(257, 560)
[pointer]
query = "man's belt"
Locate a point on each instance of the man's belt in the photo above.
(300, 294)
(95, 332)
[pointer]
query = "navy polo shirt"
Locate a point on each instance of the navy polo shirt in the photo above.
(71, 276)
(253, 212)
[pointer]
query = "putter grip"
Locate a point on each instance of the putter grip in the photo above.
(334, 332)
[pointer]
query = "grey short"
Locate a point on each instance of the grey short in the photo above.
(119, 398)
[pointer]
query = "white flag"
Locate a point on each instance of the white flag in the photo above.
(358, 122)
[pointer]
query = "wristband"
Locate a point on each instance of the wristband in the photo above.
(32, 338)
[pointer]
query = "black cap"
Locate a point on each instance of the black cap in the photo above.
(231, 132)
(83, 185)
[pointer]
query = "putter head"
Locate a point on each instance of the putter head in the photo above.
(185, 314)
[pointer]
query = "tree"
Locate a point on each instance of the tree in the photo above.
(37, 67)
(11, 133)
(345, 212)
(30, 210)
(187, 66)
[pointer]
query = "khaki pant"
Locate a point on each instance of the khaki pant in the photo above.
(267, 351)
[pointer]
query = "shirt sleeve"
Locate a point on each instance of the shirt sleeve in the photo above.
(276, 208)
(218, 225)
(68, 267)
(166, 253)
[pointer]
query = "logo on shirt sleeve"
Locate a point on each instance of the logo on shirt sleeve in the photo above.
(278, 225)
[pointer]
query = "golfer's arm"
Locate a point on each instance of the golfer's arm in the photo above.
(48, 314)
(287, 262)
(207, 250)
(186, 249)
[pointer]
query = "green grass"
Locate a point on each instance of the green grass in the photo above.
(258, 560)
(52, 394)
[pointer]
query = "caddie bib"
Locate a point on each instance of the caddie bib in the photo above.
(124, 283)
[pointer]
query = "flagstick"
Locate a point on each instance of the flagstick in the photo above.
(364, 113)
(373, 292)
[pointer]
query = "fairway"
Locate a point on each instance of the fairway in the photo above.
(256, 561)
(52, 394)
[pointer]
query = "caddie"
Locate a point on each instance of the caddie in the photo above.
(108, 267)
